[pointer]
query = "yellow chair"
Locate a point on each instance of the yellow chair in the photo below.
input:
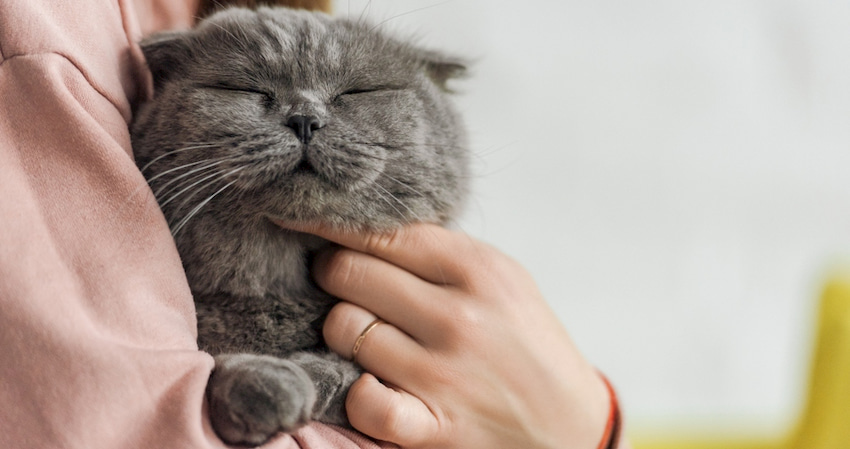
(825, 422)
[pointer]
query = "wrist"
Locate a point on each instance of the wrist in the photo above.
(582, 421)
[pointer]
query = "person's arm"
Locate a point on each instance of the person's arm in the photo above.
(470, 356)
(97, 327)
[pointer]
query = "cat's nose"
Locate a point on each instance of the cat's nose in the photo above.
(304, 125)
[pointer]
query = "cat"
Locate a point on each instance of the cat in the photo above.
(278, 114)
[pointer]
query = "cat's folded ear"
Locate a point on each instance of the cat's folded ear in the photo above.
(166, 55)
(441, 68)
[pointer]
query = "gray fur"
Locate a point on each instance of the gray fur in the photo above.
(386, 148)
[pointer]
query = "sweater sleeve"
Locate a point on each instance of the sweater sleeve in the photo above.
(97, 325)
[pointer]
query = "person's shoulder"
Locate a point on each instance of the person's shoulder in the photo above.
(95, 37)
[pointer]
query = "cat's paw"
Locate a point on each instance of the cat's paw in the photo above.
(252, 398)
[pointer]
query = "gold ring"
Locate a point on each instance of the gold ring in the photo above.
(362, 337)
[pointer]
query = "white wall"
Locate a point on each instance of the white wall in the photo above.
(676, 174)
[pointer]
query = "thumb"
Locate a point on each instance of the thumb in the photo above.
(389, 414)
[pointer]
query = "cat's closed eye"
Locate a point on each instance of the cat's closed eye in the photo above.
(368, 90)
(361, 90)
(237, 89)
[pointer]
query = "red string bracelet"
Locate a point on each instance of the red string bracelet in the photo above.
(611, 437)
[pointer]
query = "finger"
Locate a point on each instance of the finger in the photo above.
(426, 250)
(392, 293)
(385, 351)
(389, 414)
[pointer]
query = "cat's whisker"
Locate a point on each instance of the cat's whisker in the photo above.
(201, 205)
(355, 152)
(412, 213)
(171, 170)
(185, 189)
(363, 13)
(224, 29)
(405, 185)
(220, 175)
(208, 163)
(379, 24)
(142, 187)
(400, 146)
(183, 184)
(169, 153)
(188, 198)
(389, 203)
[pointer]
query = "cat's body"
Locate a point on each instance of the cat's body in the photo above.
(292, 116)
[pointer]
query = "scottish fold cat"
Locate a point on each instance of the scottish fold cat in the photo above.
(295, 116)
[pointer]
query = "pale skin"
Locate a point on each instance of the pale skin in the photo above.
(470, 356)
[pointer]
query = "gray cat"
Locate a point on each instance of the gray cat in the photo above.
(289, 115)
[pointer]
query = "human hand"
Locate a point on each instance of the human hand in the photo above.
(471, 356)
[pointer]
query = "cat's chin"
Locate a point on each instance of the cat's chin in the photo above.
(284, 229)
(327, 209)
(292, 225)
(289, 228)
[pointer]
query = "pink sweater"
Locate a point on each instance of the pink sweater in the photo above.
(97, 326)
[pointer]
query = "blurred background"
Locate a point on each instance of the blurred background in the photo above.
(675, 174)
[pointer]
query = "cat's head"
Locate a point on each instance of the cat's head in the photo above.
(296, 116)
